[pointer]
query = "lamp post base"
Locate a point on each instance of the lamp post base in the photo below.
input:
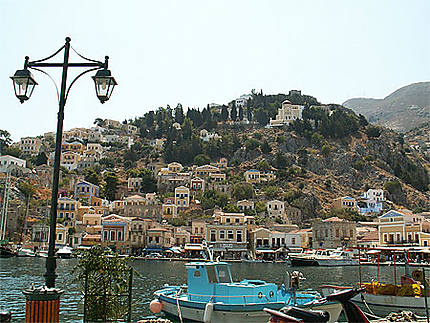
(42, 305)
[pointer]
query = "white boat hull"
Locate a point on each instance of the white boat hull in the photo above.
(337, 262)
(383, 305)
(196, 314)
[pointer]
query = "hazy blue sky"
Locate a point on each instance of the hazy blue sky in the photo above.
(198, 52)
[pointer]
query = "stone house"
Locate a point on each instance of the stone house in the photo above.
(333, 233)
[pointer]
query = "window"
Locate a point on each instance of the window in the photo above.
(337, 233)
(239, 236)
(230, 234)
(293, 240)
(236, 220)
(197, 273)
(223, 274)
(119, 236)
(105, 235)
(60, 236)
(222, 234)
(273, 241)
(211, 274)
(213, 235)
(227, 220)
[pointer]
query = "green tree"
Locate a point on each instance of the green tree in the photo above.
(224, 113)
(242, 191)
(111, 185)
(92, 176)
(149, 183)
(5, 140)
(40, 159)
(373, 131)
(201, 159)
(265, 147)
(280, 161)
(233, 113)
(272, 191)
(261, 117)
(326, 150)
(12, 151)
(240, 113)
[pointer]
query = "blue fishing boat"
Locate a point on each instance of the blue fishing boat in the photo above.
(212, 296)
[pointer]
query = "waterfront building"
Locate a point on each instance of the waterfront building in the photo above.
(40, 233)
(403, 228)
(115, 233)
(138, 234)
(333, 233)
(228, 234)
(61, 235)
(158, 239)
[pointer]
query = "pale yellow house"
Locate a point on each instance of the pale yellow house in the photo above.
(182, 196)
(402, 227)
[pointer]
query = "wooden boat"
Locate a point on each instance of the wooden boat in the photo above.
(6, 251)
(212, 296)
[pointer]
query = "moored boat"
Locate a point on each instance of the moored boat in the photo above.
(337, 258)
(25, 252)
(6, 251)
(212, 296)
(65, 252)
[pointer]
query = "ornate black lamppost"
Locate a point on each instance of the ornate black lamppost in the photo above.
(24, 85)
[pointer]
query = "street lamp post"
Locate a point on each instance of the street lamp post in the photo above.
(24, 85)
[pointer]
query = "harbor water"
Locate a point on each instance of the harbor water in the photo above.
(17, 274)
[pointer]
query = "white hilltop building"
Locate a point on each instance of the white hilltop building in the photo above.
(287, 114)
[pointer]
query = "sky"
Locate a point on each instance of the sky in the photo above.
(199, 52)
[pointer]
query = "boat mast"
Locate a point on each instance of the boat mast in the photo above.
(5, 206)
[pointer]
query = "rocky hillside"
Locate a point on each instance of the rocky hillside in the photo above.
(313, 176)
(402, 110)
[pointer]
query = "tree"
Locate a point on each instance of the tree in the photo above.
(92, 176)
(179, 114)
(5, 140)
(373, 132)
(187, 128)
(149, 183)
(99, 122)
(224, 113)
(265, 147)
(12, 151)
(242, 191)
(201, 159)
(271, 191)
(261, 117)
(40, 159)
(280, 161)
(233, 113)
(111, 185)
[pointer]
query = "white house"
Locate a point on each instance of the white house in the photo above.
(6, 161)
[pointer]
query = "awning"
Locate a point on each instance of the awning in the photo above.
(371, 252)
(265, 251)
(193, 248)
(153, 249)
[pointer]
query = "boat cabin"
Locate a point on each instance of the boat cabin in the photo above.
(213, 281)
